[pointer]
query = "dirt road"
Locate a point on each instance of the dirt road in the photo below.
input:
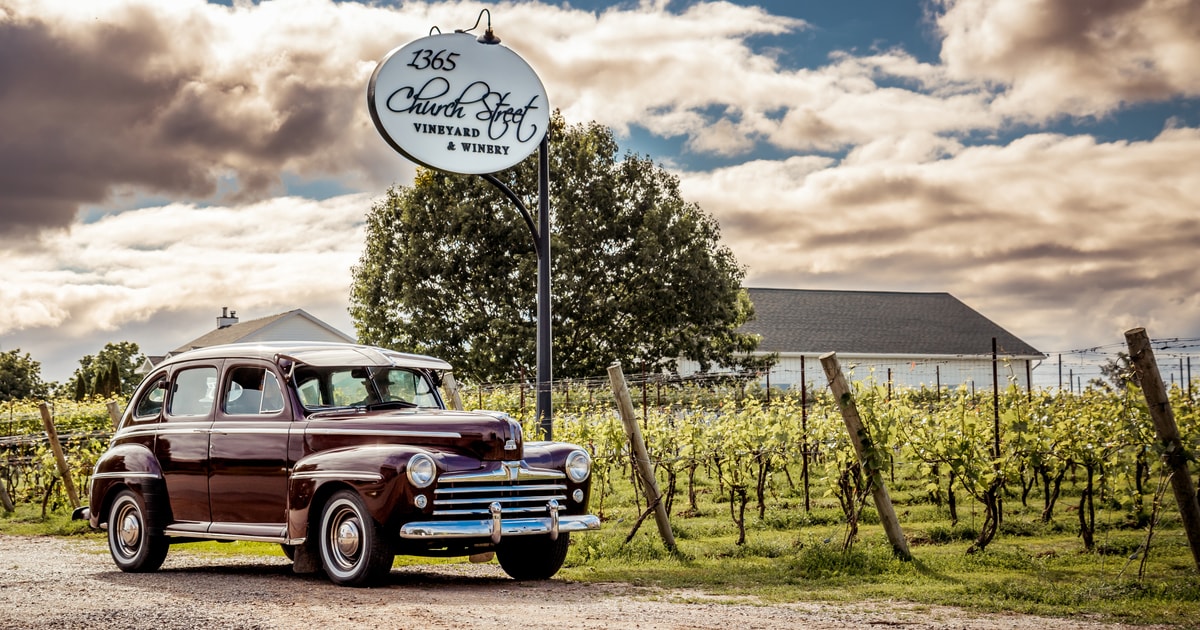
(70, 583)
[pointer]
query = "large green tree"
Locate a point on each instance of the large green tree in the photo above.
(639, 274)
(111, 372)
(20, 377)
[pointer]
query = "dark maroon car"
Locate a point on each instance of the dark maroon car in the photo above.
(343, 454)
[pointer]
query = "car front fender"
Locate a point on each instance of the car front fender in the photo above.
(376, 472)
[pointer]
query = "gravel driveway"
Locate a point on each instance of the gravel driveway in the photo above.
(72, 583)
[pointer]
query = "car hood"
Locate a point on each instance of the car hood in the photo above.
(484, 435)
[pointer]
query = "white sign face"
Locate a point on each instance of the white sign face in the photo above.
(452, 103)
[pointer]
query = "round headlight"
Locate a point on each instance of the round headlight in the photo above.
(578, 466)
(421, 470)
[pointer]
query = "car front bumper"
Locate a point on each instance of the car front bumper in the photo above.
(496, 527)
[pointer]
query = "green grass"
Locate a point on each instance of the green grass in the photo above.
(27, 520)
(792, 555)
(1030, 567)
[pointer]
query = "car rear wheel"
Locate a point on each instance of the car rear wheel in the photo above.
(354, 550)
(132, 545)
(532, 557)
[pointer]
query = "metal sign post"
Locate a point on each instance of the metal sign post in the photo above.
(468, 105)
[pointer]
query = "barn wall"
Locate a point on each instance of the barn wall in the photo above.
(905, 372)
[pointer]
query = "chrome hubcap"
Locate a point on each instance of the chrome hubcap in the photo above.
(131, 529)
(348, 538)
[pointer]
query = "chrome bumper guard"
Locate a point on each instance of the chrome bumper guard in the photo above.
(496, 528)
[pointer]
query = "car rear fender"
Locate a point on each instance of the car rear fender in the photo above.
(131, 466)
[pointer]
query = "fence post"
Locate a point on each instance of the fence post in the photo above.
(854, 426)
(649, 483)
(451, 387)
(55, 446)
(1174, 455)
(6, 500)
(114, 413)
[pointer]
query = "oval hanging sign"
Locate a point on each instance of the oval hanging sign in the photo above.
(450, 102)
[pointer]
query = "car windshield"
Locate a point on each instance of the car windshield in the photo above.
(373, 387)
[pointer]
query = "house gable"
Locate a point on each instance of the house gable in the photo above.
(294, 325)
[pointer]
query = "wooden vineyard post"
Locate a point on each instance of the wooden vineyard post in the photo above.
(6, 500)
(451, 387)
(55, 446)
(1173, 453)
(854, 426)
(114, 413)
(641, 457)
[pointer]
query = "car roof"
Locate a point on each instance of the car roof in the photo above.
(316, 354)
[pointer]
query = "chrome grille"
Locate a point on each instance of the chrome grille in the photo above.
(519, 491)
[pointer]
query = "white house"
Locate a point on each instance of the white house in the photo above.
(294, 325)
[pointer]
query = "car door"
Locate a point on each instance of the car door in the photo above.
(182, 443)
(248, 448)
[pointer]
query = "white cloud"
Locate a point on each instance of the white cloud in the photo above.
(122, 269)
(1074, 57)
(211, 107)
(1030, 231)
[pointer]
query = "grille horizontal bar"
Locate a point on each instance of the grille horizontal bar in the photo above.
(460, 499)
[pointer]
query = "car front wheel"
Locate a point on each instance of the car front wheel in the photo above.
(354, 551)
(532, 557)
(133, 547)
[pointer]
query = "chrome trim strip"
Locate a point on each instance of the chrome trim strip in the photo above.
(126, 475)
(424, 530)
(504, 473)
(219, 430)
(520, 499)
(542, 487)
(337, 474)
(183, 533)
(157, 429)
(477, 511)
(433, 434)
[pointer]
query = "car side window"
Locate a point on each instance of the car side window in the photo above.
(151, 402)
(193, 392)
(252, 390)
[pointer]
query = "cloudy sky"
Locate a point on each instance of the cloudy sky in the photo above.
(1038, 159)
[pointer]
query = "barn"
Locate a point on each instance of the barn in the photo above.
(906, 339)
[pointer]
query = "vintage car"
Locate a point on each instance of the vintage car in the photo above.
(343, 454)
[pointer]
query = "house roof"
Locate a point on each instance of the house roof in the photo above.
(875, 322)
(243, 330)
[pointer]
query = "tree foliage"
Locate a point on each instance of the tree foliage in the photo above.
(111, 372)
(639, 274)
(20, 377)
(1119, 373)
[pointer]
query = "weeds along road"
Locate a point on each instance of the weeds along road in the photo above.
(72, 583)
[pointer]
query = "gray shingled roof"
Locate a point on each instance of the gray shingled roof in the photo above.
(231, 334)
(875, 322)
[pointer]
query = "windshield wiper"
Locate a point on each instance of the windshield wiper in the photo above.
(392, 404)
